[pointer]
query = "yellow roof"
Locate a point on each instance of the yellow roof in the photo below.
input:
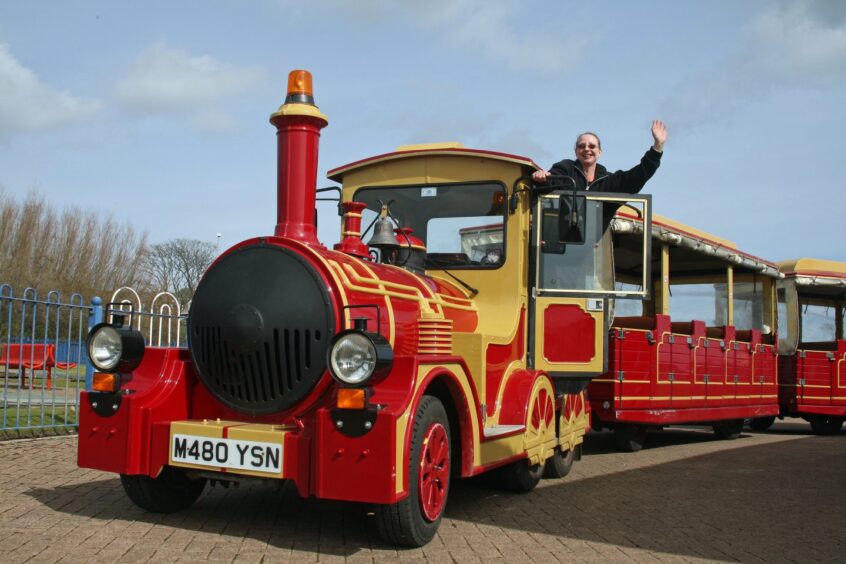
(813, 267)
(660, 220)
(429, 149)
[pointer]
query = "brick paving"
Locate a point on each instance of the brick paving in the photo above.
(766, 497)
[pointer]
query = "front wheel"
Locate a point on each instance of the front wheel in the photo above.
(825, 425)
(171, 491)
(415, 520)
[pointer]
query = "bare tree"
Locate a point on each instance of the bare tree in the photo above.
(71, 251)
(177, 265)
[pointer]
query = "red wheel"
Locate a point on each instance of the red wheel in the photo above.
(415, 520)
(434, 472)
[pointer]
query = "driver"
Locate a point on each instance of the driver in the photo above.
(590, 175)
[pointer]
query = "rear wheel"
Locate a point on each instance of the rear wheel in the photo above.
(171, 491)
(728, 430)
(825, 425)
(628, 437)
(414, 520)
(762, 423)
(559, 464)
(520, 476)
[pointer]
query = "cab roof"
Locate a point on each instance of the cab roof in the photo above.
(430, 149)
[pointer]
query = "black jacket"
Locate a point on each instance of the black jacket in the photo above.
(626, 181)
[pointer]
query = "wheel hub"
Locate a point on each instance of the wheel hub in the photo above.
(433, 476)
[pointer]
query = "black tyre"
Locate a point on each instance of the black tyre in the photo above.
(172, 491)
(520, 476)
(825, 425)
(415, 520)
(559, 464)
(762, 423)
(728, 430)
(628, 437)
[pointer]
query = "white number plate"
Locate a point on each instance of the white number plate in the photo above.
(237, 454)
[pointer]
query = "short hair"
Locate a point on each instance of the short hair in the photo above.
(598, 142)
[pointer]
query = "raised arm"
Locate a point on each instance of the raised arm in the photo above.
(659, 135)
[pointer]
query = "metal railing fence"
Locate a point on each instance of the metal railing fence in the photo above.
(43, 363)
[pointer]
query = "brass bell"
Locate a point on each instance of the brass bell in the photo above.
(383, 233)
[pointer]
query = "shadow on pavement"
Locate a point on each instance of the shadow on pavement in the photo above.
(778, 502)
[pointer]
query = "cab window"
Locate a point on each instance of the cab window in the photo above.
(462, 225)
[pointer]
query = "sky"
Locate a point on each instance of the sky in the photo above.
(156, 112)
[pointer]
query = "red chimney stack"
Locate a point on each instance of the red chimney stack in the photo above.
(298, 123)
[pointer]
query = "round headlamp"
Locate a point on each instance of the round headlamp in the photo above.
(115, 349)
(354, 357)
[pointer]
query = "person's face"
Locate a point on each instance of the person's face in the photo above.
(587, 150)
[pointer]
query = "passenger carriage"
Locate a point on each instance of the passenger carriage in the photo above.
(812, 378)
(701, 351)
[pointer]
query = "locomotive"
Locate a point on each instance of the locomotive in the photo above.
(457, 340)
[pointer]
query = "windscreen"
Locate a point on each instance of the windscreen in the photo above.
(461, 225)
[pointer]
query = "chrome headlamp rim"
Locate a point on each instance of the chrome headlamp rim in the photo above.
(128, 345)
(98, 333)
(379, 352)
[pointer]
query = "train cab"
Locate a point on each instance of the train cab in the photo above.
(812, 349)
(701, 351)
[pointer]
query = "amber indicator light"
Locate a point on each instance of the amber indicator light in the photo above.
(351, 398)
(104, 382)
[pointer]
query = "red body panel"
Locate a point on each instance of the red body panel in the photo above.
(684, 373)
(580, 328)
(813, 382)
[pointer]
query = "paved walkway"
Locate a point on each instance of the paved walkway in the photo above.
(773, 497)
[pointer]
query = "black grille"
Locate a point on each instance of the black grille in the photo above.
(260, 323)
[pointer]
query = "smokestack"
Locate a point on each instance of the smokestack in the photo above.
(298, 123)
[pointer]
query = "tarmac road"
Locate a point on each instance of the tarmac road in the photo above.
(765, 497)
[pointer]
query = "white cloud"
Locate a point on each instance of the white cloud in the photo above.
(791, 45)
(486, 28)
(27, 104)
(163, 80)
(801, 41)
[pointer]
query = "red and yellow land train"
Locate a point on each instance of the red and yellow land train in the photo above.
(458, 340)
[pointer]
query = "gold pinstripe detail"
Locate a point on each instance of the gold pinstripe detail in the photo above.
(431, 304)
(342, 294)
(389, 305)
(667, 398)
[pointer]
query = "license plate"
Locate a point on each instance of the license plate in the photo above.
(236, 454)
